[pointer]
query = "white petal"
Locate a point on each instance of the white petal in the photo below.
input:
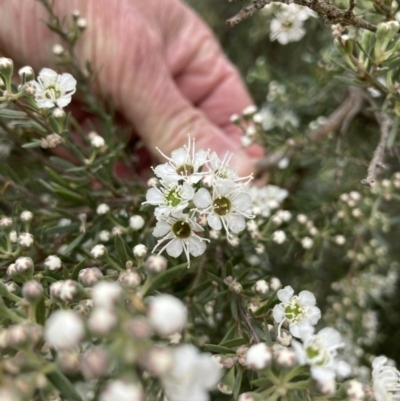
(236, 223)
(329, 337)
(44, 104)
(285, 294)
(202, 198)
(299, 351)
(278, 313)
(200, 158)
(47, 76)
(63, 101)
(180, 156)
(196, 246)
(242, 202)
(304, 330)
(162, 228)
(67, 82)
(187, 191)
(154, 196)
(314, 314)
(175, 248)
(214, 222)
(306, 298)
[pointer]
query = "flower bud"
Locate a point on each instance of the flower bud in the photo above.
(246, 397)
(136, 222)
(98, 251)
(24, 266)
(106, 294)
(275, 284)
(96, 140)
(57, 49)
(130, 278)
(140, 251)
(102, 321)
(159, 360)
(355, 390)
(249, 111)
(32, 291)
(25, 240)
(13, 236)
(258, 356)
(156, 264)
(66, 290)
(81, 23)
(104, 235)
(120, 390)
(29, 89)
(95, 363)
(285, 357)
(18, 335)
(6, 70)
(167, 314)
(138, 327)
(68, 360)
(285, 338)
(5, 222)
(59, 114)
(103, 208)
(52, 263)
(64, 329)
(261, 287)
(26, 216)
(90, 276)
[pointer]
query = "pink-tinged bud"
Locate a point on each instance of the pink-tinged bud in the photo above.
(136, 222)
(52, 263)
(6, 68)
(285, 357)
(17, 335)
(66, 290)
(159, 360)
(68, 360)
(129, 278)
(25, 240)
(106, 294)
(258, 356)
(98, 251)
(32, 291)
(24, 266)
(140, 251)
(26, 216)
(120, 390)
(156, 264)
(139, 328)
(64, 329)
(95, 362)
(261, 287)
(5, 222)
(90, 276)
(102, 321)
(167, 314)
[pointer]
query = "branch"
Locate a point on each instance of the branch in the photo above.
(326, 10)
(340, 118)
(385, 123)
(246, 318)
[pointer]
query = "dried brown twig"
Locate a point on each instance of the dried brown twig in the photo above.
(340, 118)
(378, 158)
(326, 10)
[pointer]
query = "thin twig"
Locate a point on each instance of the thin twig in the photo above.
(378, 158)
(340, 118)
(246, 318)
(326, 10)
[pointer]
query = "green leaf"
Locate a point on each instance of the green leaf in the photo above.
(80, 266)
(33, 144)
(65, 387)
(219, 349)
(165, 277)
(120, 248)
(41, 313)
(216, 278)
(235, 342)
(72, 245)
(238, 382)
(234, 309)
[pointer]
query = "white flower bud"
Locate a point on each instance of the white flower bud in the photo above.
(5, 222)
(307, 243)
(167, 314)
(26, 215)
(64, 329)
(156, 264)
(65, 290)
(340, 239)
(159, 360)
(249, 110)
(32, 291)
(285, 338)
(234, 118)
(102, 321)
(257, 118)
(17, 335)
(283, 163)
(57, 49)
(106, 294)
(136, 222)
(261, 287)
(152, 182)
(355, 390)
(12, 286)
(81, 23)
(13, 236)
(302, 218)
(103, 208)
(130, 278)
(90, 276)
(279, 237)
(140, 251)
(58, 114)
(52, 263)
(98, 251)
(6, 67)
(246, 141)
(122, 391)
(275, 284)
(246, 397)
(25, 240)
(95, 363)
(24, 265)
(138, 327)
(258, 356)
(104, 235)
(96, 140)
(285, 357)
(356, 196)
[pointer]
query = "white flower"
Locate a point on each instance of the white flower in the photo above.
(25, 240)
(192, 375)
(258, 356)
(184, 164)
(106, 293)
(167, 314)
(279, 237)
(181, 236)
(136, 222)
(171, 199)
(53, 89)
(227, 206)
(266, 199)
(98, 251)
(385, 380)
(103, 208)
(64, 329)
(26, 215)
(295, 309)
(122, 391)
(52, 262)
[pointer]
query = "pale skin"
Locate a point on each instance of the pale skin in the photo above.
(160, 63)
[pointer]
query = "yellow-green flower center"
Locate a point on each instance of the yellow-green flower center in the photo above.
(173, 197)
(185, 169)
(52, 91)
(181, 229)
(222, 205)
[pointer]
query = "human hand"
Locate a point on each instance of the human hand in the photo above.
(159, 62)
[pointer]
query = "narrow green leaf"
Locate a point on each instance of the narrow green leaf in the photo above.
(41, 313)
(72, 245)
(165, 277)
(65, 387)
(235, 342)
(81, 265)
(33, 144)
(219, 349)
(234, 309)
(120, 247)
(238, 382)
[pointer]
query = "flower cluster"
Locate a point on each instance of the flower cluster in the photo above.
(194, 189)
